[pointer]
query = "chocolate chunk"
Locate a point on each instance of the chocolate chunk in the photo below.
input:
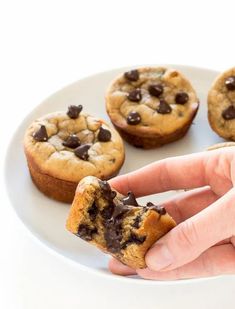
(74, 111)
(72, 141)
(132, 75)
(136, 223)
(93, 211)
(181, 98)
(130, 199)
(104, 185)
(155, 90)
(86, 232)
(107, 212)
(113, 228)
(82, 152)
(230, 83)
(135, 95)
(229, 113)
(119, 211)
(149, 204)
(106, 190)
(41, 134)
(134, 239)
(113, 215)
(133, 118)
(164, 107)
(159, 209)
(104, 135)
(113, 236)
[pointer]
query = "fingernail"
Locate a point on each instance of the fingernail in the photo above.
(159, 257)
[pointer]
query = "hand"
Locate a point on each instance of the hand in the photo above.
(203, 242)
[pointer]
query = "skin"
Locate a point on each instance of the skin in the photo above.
(203, 242)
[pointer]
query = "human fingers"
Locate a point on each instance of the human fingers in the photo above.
(185, 205)
(218, 260)
(180, 208)
(118, 268)
(172, 173)
(190, 238)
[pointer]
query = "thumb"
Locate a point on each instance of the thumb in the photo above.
(189, 239)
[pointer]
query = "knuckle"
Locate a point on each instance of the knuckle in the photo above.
(178, 273)
(207, 265)
(188, 234)
(165, 179)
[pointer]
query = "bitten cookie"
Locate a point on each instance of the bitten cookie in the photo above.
(61, 148)
(116, 224)
(151, 106)
(221, 105)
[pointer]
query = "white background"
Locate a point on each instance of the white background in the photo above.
(46, 45)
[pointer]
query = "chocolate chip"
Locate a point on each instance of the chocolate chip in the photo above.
(108, 194)
(130, 199)
(113, 194)
(155, 90)
(86, 232)
(93, 211)
(113, 228)
(113, 216)
(119, 211)
(113, 236)
(41, 134)
(230, 83)
(135, 95)
(164, 107)
(181, 98)
(134, 239)
(136, 223)
(106, 190)
(159, 209)
(149, 204)
(72, 141)
(104, 135)
(107, 212)
(74, 111)
(104, 185)
(229, 113)
(132, 75)
(82, 152)
(133, 118)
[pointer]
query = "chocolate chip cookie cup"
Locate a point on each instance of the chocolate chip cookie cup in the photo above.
(116, 224)
(151, 106)
(221, 105)
(61, 148)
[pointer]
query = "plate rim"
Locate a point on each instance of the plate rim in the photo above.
(42, 242)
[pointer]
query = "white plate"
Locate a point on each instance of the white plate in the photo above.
(46, 218)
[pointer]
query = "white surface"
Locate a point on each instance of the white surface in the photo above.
(48, 44)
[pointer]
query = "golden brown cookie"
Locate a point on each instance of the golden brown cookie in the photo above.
(151, 106)
(221, 105)
(116, 224)
(62, 148)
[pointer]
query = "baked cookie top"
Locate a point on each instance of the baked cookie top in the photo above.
(221, 104)
(72, 145)
(151, 100)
